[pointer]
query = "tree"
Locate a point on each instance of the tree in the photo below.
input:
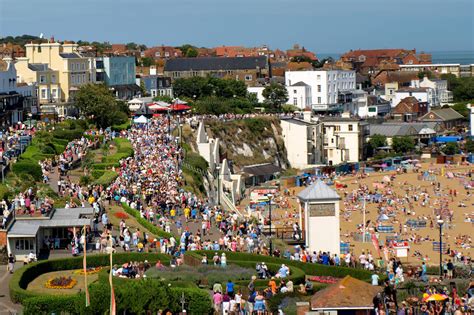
(450, 148)
(192, 53)
(462, 109)
(275, 95)
(198, 87)
(98, 103)
(131, 46)
(469, 146)
(143, 89)
(376, 141)
(403, 145)
(425, 73)
(147, 62)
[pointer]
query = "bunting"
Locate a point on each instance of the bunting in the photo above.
(113, 307)
(84, 265)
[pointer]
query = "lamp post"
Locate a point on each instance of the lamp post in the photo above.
(440, 224)
(169, 124)
(270, 222)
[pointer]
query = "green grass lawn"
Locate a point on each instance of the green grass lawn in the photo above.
(38, 284)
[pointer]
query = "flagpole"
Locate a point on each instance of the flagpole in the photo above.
(363, 232)
(85, 267)
(112, 293)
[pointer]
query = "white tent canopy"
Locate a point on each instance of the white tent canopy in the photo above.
(140, 120)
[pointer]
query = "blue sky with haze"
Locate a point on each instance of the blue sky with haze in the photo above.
(320, 25)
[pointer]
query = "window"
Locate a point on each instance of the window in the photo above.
(319, 100)
(248, 77)
(42, 78)
(294, 91)
(54, 93)
(44, 94)
(83, 66)
(295, 101)
(319, 87)
(338, 128)
(167, 54)
(318, 77)
(24, 244)
(53, 78)
(72, 67)
(157, 54)
(351, 127)
(83, 78)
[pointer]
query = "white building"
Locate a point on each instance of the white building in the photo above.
(328, 140)
(299, 95)
(369, 106)
(441, 95)
(343, 140)
(15, 97)
(329, 88)
(422, 94)
(320, 204)
(303, 141)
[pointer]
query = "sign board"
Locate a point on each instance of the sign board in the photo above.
(436, 247)
(401, 252)
(322, 210)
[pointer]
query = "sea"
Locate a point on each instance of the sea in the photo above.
(463, 57)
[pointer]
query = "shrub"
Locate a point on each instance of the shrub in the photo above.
(85, 180)
(68, 134)
(58, 304)
(146, 224)
(106, 178)
(28, 167)
(23, 276)
(307, 268)
(121, 127)
(97, 173)
(104, 166)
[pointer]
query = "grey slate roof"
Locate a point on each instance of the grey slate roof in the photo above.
(61, 218)
(216, 63)
(261, 169)
(446, 114)
(38, 66)
(318, 191)
(301, 83)
(392, 130)
(69, 55)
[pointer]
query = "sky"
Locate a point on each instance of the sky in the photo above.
(325, 26)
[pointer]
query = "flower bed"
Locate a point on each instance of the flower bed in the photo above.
(61, 283)
(89, 271)
(323, 279)
(121, 215)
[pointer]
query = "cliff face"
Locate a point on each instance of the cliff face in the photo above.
(250, 141)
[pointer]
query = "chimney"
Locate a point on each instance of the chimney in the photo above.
(302, 308)
(307, 115)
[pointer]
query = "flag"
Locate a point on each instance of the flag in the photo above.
(84, 265)
(375, 241)
(113, 307)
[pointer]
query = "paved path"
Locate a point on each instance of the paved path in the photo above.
(6, 306)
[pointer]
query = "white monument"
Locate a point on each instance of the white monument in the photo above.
(320, 204)
(208, 148)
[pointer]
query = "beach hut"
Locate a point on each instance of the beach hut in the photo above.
(385, 229)
(383, 217)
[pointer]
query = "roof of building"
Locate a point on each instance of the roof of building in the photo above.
(347, 293)
(216, 63)
(261, 169)
(413, 89)
(392, 130)
(318, 191)
(443, 114)
(61, 218)
(300, 83)
(69, 55)
(38, 66)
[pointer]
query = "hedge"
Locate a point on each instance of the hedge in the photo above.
(307, 268)
(28, 167)
(145, 223)
(104, 166)
(121, 127)
(134, 296)
(68, 134)
(97, 173)
(23, 276)
(296, 274)
(106, 178)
